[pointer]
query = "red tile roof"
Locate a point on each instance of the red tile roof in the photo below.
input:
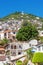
(2, 49)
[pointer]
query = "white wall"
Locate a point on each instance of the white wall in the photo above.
(41, 50)
(25, 46)
(41, 33)
(2, 36)
(7, 35)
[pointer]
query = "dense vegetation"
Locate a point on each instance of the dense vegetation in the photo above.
(27, 32)
(19, 16)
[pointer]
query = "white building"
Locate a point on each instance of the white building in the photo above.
(40, 33)
(4, 34)
(1, 33)
(39, 47)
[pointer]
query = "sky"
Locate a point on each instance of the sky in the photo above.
(28, 6)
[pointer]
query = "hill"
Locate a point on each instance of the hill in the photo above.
(19, 16)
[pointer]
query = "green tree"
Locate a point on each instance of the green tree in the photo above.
(27, 32)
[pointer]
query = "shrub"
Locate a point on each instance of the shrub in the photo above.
(3, 42)
(38, 57)
(19, 62)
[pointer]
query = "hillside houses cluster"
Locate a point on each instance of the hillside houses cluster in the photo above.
(15, 50)
(9, 28)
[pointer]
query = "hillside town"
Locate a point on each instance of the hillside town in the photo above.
(15, 50)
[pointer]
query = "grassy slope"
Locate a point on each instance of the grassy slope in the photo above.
(17, 16)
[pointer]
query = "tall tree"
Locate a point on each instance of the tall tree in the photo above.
(27, 32)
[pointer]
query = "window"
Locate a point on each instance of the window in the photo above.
(13, 37)
(20, 46)
(19, 52)
(14, 46)
(30, 45)
(8, 32)
(11, 46)
(42, 32)
(0, 29)
(42, 47)
(4, 34)
(14, 32)
(13, 53)
(39, 48)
